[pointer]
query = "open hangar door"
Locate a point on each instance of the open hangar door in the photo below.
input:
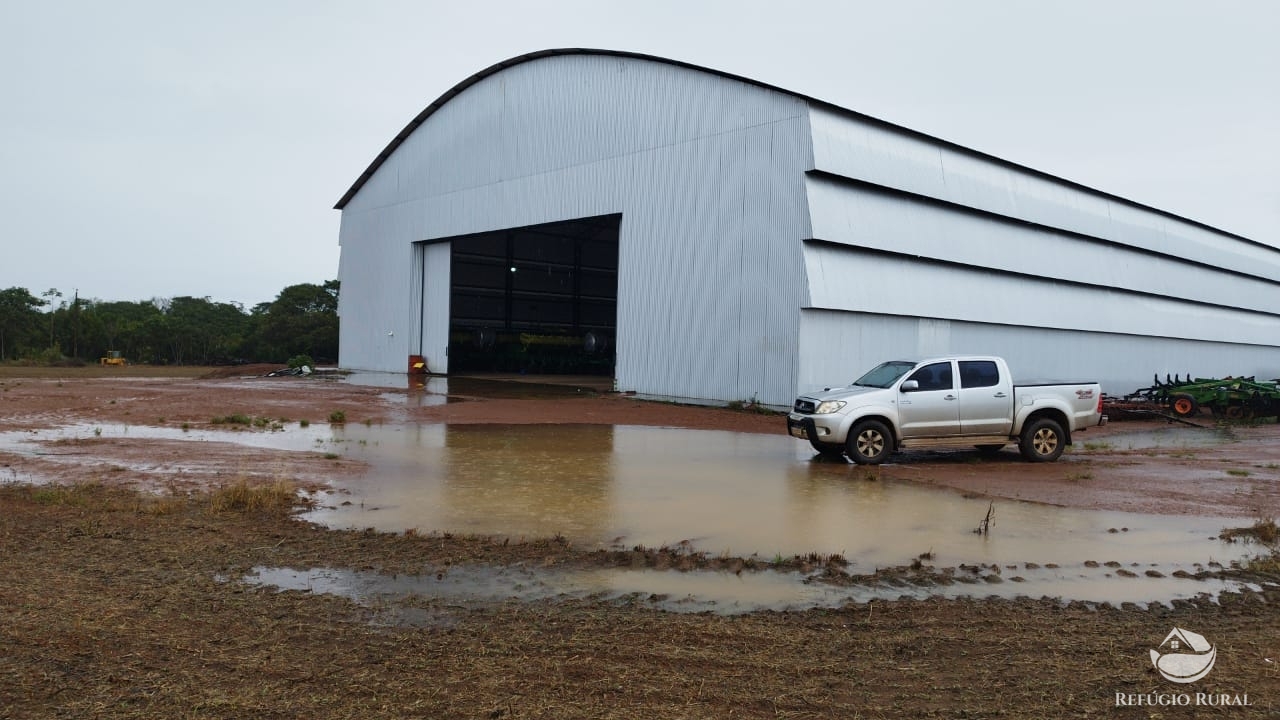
(540, 299)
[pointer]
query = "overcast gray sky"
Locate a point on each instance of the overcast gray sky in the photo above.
(160, 148)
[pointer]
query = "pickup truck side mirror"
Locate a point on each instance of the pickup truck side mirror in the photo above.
(909, 386)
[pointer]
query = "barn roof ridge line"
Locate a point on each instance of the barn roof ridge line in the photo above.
(494, 69)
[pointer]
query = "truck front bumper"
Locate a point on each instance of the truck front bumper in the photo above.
(800, 427)
(808, 427)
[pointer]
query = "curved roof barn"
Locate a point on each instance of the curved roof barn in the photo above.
(740, 241)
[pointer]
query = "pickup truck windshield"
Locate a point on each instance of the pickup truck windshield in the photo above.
(885, 374)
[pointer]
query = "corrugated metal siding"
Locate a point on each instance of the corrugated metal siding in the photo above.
(373, 331)
(435, 306)
(706, 172)
(923, 249)
(855, 148)
(861, 217)
(1122, 363)
(417, 268)
(855, 280)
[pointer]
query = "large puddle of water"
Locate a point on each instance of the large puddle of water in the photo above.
(717, 492)
(714, 492)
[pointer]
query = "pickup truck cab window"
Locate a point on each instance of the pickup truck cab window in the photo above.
(935, 376)
(978, 373)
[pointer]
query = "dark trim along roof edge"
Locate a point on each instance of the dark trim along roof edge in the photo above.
(527, 57)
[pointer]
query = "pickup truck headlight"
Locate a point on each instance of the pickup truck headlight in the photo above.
(828, 407)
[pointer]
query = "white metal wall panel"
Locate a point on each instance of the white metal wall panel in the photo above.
(850, 279)
(374, 328)
(417, 268)
(859, 149)
(857, 216)
(767, 334)
(835, 348)
(707, 173)
(1122, 363)
(516, 123)
(437, 265)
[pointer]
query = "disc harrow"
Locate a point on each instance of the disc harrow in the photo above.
(1229, 398)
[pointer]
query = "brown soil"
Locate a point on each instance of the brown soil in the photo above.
(119, 604)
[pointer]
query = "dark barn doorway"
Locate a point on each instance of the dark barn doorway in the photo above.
(540, 299)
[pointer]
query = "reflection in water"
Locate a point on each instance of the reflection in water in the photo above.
(519, 481)
(717, 492)
(528, 481)
(723, 493)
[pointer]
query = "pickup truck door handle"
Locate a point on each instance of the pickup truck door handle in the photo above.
(999, 394)
(949, 397)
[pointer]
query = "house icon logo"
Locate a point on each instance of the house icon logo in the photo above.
(1184, 656)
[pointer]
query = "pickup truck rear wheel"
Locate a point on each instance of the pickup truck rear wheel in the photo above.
(869, 442)
(1042, 440)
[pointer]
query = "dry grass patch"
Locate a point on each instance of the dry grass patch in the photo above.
(1267, 564)
(278, 498)
(157, 506)
(1264, 531)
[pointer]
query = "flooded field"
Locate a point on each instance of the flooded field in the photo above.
(143, 518)
(716, 492)
(720, 493)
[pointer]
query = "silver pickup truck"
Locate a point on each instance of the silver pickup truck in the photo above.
(959, 401)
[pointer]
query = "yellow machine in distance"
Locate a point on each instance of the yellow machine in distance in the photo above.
(113, 357)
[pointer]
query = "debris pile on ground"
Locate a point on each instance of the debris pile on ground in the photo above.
(300, 371)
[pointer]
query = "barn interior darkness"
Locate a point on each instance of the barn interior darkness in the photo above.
(540, 299)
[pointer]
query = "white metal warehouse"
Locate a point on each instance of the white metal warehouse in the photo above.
(715, 238)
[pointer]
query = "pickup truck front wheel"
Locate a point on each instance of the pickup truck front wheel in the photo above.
(869, 442)
(1042, 441)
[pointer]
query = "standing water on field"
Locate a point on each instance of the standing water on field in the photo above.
(720, 493)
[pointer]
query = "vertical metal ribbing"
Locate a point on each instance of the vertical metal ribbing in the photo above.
(671, 149)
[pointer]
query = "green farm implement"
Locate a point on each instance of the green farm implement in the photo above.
(1231, 398)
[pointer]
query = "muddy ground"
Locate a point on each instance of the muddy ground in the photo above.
(1240, 478)
(121, 596)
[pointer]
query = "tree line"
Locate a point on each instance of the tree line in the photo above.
(50, 328)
